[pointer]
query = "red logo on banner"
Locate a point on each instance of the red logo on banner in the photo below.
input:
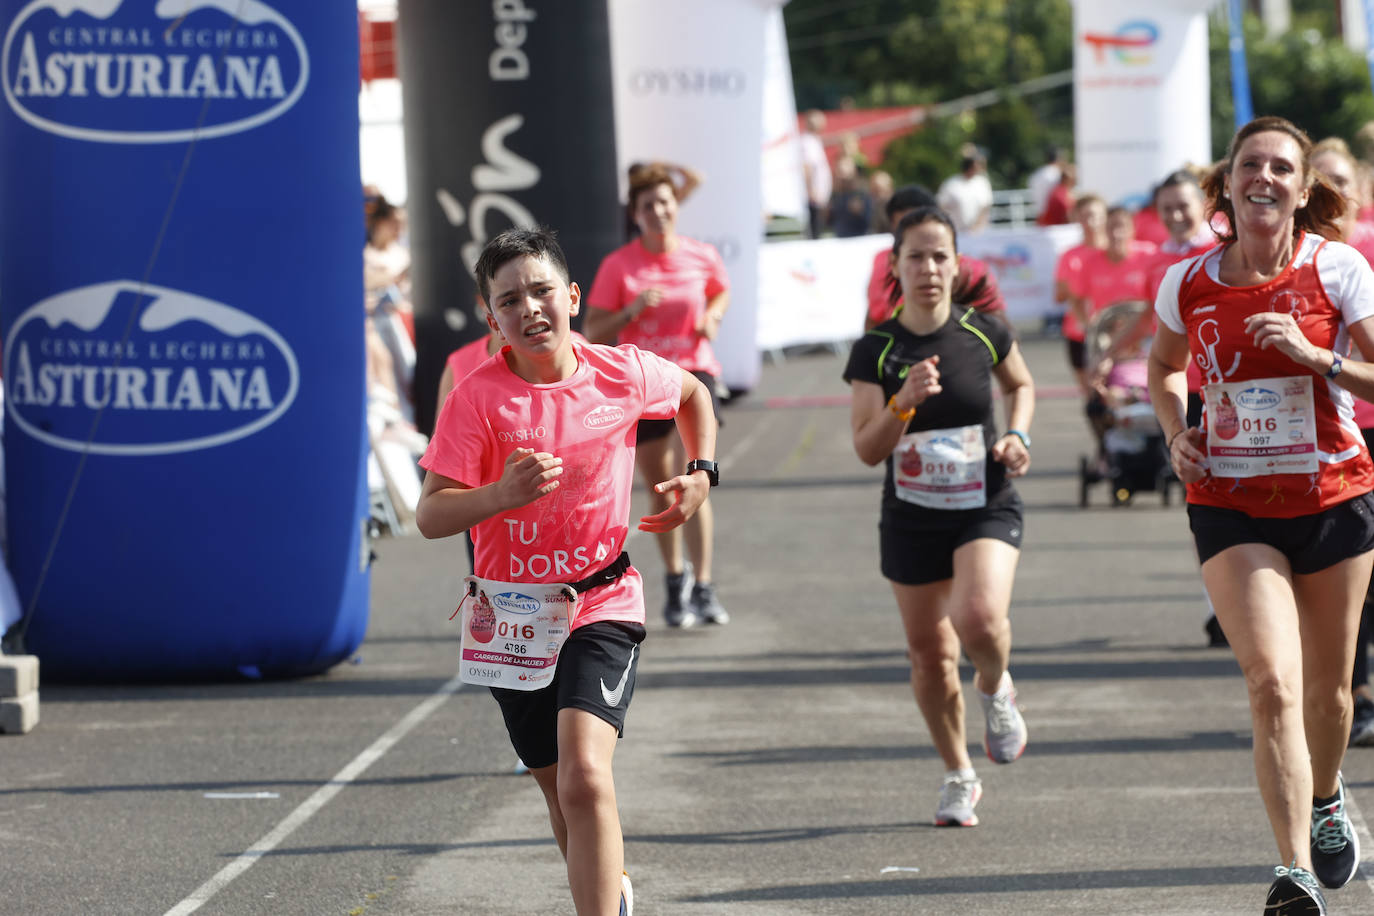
(1126, 44)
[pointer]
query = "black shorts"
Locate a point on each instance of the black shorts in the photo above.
(1310, 542)
(918, 554)
(597, 665)
(649, 430)
(1078, 354)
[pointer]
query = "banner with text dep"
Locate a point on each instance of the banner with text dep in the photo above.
(508, 123)
(181, 311)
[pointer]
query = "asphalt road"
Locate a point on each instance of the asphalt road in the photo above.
(776, 765)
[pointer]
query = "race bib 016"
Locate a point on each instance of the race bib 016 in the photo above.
(1263, 426)
(942, 468)
(513, 632)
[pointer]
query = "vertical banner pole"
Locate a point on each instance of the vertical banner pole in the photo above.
(1240, 71)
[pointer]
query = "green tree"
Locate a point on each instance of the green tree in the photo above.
(921, 52)
(903, 52)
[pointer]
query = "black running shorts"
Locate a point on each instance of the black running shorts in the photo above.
(1078, 354)
(649, 430)
(1310, 542)
(918, 555)
(596, 673)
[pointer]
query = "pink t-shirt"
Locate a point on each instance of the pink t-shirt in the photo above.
(1103, 281)
(690, 276)
(588, 420)
(1362, 240)
(466, 358)
(1067, 271)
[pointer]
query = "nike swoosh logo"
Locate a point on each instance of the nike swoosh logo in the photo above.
(613, 697)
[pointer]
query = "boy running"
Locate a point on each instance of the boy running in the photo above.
(534, 452)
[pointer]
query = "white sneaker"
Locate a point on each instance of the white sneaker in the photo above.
(627, 895)
(1004, 738)
(958, 797)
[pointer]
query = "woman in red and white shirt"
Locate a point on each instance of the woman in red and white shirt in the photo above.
(1278, 476)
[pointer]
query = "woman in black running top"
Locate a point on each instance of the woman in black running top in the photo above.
(921, 389)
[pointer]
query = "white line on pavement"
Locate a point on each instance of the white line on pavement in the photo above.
(316, 801)
(325, 793)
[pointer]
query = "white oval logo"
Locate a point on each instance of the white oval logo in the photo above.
(93, 70)
(604, 416)
(1257, 399)
(125, 368)
(515, 603)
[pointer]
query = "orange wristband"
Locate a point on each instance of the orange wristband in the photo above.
(903, 415)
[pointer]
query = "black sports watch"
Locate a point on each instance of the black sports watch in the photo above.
(710, 467)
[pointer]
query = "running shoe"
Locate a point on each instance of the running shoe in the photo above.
(627, 895)
(958, 797)
(1335, 847)
(675, 610)
(1294, 893)
(705, 605)
(1004, 738)
(1362, 728)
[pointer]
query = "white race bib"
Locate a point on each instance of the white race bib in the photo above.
(513, 632)
(1263, 426)
(942, 468)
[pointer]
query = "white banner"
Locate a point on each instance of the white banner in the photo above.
(815, 291)
(1141, 94)
(784, 179)
(689, 78)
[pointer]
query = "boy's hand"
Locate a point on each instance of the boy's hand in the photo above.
(528, 475)
(691, 491)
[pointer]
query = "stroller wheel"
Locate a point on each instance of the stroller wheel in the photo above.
(1121, 497)
(1083, 481)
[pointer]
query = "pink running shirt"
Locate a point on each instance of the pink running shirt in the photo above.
(1067, 271)
(466, 358)
(689, 276)
(589, 421)
(1103, 281)
(1362, 240)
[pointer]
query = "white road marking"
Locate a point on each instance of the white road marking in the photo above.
(326, 793)
(321, 797)
(242, 795)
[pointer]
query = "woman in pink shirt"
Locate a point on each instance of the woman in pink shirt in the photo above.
(1118, 273)
(1333, 159)
(666, 293)
(1090, 212)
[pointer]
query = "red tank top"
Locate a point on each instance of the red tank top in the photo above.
(1214, 316)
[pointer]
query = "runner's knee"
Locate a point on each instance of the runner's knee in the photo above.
(583, 785)
(1270, 692)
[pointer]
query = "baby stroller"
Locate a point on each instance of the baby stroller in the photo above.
(1132, 456)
